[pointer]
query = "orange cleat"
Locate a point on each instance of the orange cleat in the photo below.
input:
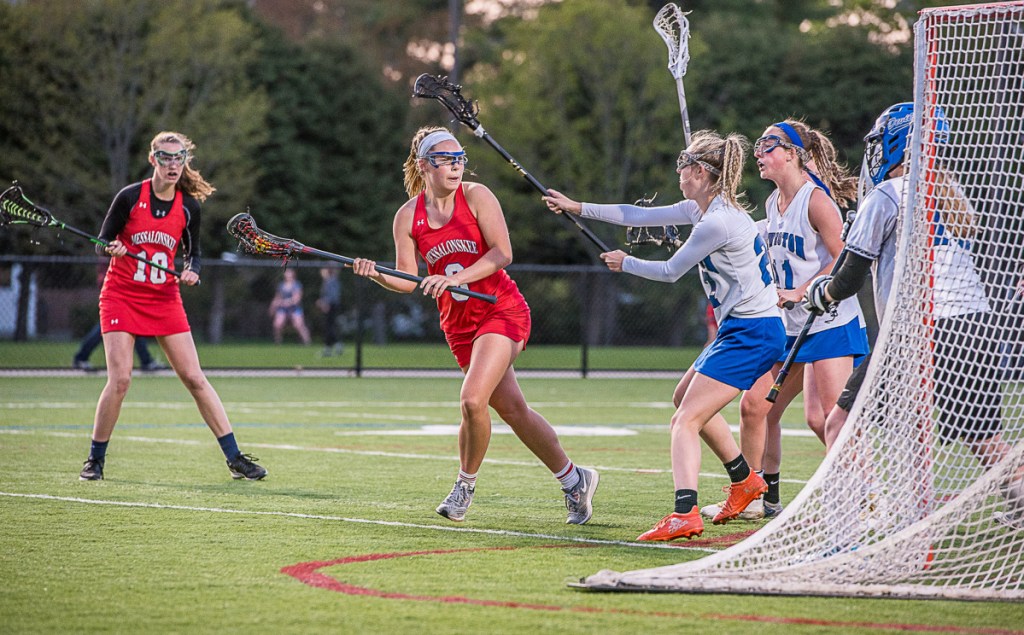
(740, 495)
(675, 526)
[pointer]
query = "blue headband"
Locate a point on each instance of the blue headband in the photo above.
(790, 132)
(794, 137)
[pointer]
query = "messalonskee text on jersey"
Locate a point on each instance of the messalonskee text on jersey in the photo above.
(792, 242)
(154, 237)
(449, 247)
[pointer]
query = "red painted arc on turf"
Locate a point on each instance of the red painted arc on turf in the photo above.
(309, 573)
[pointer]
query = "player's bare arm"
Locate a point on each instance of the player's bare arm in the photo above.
(492, 223)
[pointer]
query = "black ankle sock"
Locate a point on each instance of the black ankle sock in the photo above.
(738, 469)
(98, 449)
(772, 495)
(229, 446)
(686, 500)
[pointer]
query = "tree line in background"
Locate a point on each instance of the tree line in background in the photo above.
(302, 110)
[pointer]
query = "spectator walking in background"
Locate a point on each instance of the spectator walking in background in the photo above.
(329, 303)
(95, 337)
(286, 307)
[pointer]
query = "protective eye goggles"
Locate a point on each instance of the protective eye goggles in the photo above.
(438, 159)
(766, 144)
(687, 159)
(170, 158)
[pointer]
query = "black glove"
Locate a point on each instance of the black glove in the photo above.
(814, 298)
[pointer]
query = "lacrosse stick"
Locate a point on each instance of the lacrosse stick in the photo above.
(257, 241)
(673, 27)
(16, 209)
(636, 236)
(450, 96)
(806, 328)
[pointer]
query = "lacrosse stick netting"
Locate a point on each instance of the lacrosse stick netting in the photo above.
(673, 27)
(15, 208)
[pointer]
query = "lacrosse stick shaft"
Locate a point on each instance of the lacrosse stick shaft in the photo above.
(483, 134)
(683, 111)
(99, 241)
(451, 98)
(396, 273)
(17, 209)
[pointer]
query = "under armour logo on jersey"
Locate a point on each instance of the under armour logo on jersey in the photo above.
(143, 204)
(113, 321)
(420, 222)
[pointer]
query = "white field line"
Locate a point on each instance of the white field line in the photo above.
(376, 453)
(363, 521)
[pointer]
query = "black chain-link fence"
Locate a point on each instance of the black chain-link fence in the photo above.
(605, 321)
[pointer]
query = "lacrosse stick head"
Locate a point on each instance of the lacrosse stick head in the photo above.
(673, 27)
(450, 96)
(641, 235)
(254, 240)
(16, 209)
(673, 239)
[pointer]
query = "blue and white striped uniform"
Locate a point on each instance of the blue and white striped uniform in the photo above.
(797, 255)
(732, 260)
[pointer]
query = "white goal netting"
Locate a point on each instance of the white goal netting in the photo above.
(921, 497)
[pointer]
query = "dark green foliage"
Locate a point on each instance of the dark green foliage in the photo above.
(311, 132)
(581, 96)
(331, 166)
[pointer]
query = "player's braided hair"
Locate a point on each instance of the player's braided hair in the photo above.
(727, 155)
(191, 181)
(820, 157)
(414, 181)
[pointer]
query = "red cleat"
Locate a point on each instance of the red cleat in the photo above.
(740, 495)
(676, 526)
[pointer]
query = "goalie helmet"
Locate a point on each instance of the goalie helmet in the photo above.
(887, 142)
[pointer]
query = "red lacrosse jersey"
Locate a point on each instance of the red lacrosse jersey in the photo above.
(451, 249)
(138, 298)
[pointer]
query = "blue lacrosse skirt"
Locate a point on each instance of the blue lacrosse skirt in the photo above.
(842, 341)
(744, 349)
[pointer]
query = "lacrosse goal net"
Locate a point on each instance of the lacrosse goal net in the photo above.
(902, 506)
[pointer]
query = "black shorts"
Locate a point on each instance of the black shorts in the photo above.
(968, 386)
(853, 384)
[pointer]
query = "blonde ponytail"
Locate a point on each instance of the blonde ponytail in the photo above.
(414, 182)
(726, 156)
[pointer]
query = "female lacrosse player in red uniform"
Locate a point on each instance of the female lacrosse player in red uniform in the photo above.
(151, 219)
(733, 263)
(459, 230)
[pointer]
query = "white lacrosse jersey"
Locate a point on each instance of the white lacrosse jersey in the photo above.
(873, 235)
(724, 245)
(798, 255)
(956, 287)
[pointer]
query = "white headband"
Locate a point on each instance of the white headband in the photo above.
(432, 140)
